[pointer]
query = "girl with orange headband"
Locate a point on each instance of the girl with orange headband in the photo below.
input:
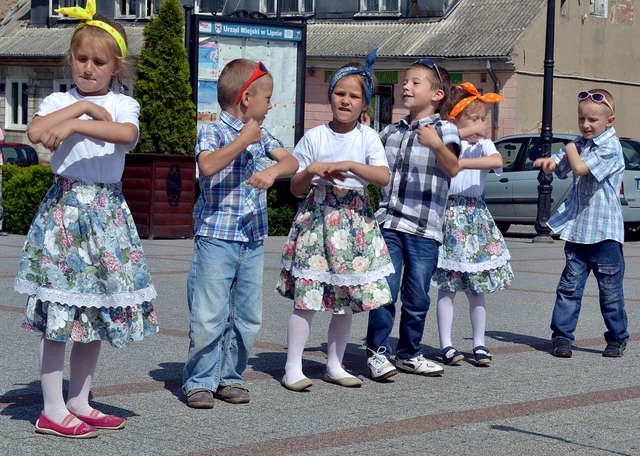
(83, 267)
(473, 256)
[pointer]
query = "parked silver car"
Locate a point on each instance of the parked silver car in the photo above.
(512, 197)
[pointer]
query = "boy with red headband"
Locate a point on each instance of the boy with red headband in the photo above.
(238, 160)
(590, 221)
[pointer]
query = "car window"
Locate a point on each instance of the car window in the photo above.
(510, 149)
(535, 151)
(20, 155)
(630, 150)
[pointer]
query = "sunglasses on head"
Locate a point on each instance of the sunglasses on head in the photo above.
(596, 97)
(431, 65)
(259, 71)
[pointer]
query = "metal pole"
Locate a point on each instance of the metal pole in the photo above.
(546, 134)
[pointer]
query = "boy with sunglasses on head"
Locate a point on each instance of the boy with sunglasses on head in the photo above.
(422, 152)
(590, 221)
(237, 160)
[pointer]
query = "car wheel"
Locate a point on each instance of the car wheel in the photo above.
(631, 232)
(503, 226)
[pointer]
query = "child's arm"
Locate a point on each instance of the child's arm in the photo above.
(211, 163)
(493, 161)
(286, 166)
(376, 175)
(578, 166)
(51, 129)
(445, 155)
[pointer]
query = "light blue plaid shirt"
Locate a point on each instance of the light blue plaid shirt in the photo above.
(592, 213)
(228, 208)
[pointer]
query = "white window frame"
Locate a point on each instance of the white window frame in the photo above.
(17, 107)
(55, 4)
(143, 9)
(62, 85)
(381, 9)
(264, 8)
(599, 8)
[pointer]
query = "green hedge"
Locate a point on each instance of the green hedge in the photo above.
(22, 192)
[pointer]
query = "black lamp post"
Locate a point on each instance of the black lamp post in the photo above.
(546, 134)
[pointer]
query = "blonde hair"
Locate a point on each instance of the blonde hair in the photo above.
(232, 78)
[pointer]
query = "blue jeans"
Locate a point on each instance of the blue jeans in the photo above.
(420, 258)
(606, 261)
(224, 292)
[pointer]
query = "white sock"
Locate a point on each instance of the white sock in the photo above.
(478, 316)
(51, 369)
(337, 338)
(84, 358)
(444, 311)
(297, 334)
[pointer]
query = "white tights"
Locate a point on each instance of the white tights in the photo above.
(82, 366)
(298, 332)
(477, 315)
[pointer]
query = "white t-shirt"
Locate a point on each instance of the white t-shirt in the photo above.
(87, 159)
(470, 182)
(322, 144)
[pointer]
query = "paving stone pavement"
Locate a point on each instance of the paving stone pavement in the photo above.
(527, 402)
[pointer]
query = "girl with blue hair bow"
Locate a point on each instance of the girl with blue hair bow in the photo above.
(335, 259)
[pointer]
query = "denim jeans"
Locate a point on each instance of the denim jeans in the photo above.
(606, 261)
(224, 292)
(420, 258)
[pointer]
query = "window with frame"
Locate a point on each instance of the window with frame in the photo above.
(287, 7)
(379, 6)
(211, 6)
(55, 4)
(598, 8)
(16, 114)
(62, 85)
(136, 8)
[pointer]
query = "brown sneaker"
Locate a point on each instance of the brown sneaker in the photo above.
(200, 398)
(234, 394)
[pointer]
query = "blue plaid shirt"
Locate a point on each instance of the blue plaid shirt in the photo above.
(592, 213)
(228, 208)
(416, 196)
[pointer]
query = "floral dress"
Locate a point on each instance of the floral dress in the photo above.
(335, 258)
(84, 269)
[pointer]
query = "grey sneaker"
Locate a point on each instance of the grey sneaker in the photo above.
(200, 398)
(420, 365)
(380, 368)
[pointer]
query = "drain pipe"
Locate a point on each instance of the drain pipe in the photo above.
(494, 109)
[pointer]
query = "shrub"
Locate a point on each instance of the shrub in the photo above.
(22, 192)
(163, 86)
(281, 208)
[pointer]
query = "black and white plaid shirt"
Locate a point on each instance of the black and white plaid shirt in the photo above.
(415, 199)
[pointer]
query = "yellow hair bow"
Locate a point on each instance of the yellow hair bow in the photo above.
(474, 95)
(87, 14)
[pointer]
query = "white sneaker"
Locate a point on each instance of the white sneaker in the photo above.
(380, 368)
(420, 365)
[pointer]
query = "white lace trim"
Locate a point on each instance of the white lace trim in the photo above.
(339, 279)
(85, 299)
(493, 263)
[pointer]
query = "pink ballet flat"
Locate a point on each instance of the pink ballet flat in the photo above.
(110, 422)
(79, 431)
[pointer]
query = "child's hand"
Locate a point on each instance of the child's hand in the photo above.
(96, 112)
(336, 171)
(327, 171)
(547, 164)
(52, 138)
(263, 179)
(250, 132)
(428, 136)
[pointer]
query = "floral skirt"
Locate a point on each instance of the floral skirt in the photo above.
(84, 269)
(335, 258)
(473, 256)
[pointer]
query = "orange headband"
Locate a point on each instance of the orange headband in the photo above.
(475, 95)
(87, 14)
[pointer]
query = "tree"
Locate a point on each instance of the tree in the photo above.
(163, 88)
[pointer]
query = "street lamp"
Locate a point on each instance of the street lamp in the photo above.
(546, 134)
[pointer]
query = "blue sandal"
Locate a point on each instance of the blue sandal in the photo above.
(482, 356)
(450, 356)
